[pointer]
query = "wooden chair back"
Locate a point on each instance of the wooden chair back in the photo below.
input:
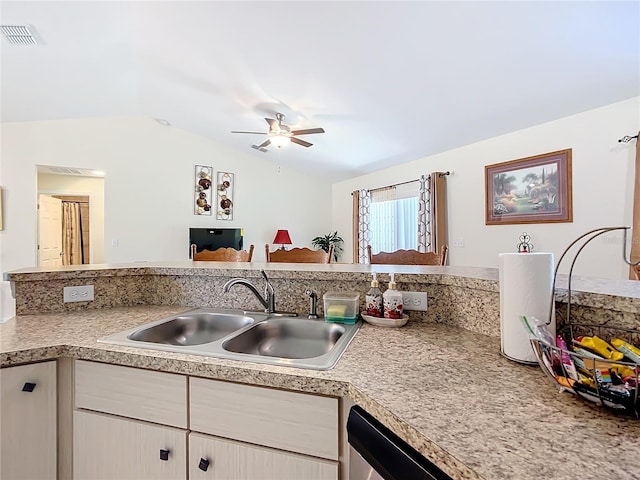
(222, 255)
(299, 255)
(408, 257)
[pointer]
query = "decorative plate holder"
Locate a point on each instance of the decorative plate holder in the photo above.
(225, 186)
(597, 386)
(203, 190)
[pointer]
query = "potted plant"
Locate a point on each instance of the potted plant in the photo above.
(324, 242)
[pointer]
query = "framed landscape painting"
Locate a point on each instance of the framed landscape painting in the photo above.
(529, 190)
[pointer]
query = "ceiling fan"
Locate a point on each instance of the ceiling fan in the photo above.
(280, 134)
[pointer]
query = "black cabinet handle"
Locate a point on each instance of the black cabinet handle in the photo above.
(164, 454)
(28, 387)
(204, 464)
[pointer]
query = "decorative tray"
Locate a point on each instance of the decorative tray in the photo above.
(386, 322)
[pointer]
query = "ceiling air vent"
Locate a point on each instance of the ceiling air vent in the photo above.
(18, 34)
(65, 171)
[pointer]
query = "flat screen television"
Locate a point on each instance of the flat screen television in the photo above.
(214, 238)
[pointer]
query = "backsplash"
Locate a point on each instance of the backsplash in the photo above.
(468, 298)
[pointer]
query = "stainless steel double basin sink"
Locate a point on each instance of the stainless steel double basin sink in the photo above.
(241, 335)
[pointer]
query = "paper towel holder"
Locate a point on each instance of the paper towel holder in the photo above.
(596, 232)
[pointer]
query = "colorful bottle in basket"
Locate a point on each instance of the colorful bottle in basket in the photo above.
(630, 351)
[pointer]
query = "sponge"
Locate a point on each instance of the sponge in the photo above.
(336, 311)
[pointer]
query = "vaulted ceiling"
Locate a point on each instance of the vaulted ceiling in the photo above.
(389, 81)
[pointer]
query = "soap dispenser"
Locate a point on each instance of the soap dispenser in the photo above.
(373, 299)
(392, 300)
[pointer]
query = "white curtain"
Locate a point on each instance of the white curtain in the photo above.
(394, 225)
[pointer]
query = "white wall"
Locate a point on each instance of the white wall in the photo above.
(603, 175)
(93, 187)
(149, 172)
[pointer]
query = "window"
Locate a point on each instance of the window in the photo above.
(393, 218)
(408, 216)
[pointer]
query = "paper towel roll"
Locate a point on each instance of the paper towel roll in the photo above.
(526, 280)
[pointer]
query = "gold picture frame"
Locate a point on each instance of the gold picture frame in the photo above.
(529, 190)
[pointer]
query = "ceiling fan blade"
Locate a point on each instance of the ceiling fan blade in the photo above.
(301, 142)
(259, 148)
(265, 143)
(307, 131)
(272, 123)
(253, 133)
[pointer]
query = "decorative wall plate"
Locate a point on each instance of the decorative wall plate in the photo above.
(225, 183)
(203, 190)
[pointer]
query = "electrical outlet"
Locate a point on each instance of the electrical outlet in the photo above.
(414, 301)
(83, 293)
(458, 242)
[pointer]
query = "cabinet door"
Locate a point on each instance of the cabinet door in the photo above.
(214, 458)
(107, 447)
(28, 422)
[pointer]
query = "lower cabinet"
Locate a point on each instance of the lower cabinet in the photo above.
(108, 447)
(28, 422)
(212, 458)
(137, 424)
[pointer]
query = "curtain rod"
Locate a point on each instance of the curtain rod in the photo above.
(626, 139)
(440, 174)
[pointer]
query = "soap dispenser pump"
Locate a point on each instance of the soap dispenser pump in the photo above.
(392, 300)
(373, 299)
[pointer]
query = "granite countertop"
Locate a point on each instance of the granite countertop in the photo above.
(447, 391)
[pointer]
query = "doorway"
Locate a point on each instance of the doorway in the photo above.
(49, 231)
(81, 196)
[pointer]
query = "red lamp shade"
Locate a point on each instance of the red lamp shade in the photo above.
(282, 237)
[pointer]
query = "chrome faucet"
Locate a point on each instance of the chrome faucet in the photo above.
(268, 301)
(313, 303)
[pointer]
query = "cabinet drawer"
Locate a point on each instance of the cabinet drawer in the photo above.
(130, 392)
(212, 458)
(109, 447)
(291, 421)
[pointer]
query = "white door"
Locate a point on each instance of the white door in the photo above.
(49, 231)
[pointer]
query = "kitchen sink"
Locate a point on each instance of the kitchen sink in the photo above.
(246, 336)
(287, 338)
(193, 328)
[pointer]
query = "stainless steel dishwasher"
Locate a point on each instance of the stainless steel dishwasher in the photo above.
(377, 453)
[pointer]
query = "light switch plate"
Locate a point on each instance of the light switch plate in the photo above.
(83, 293)
(414, 301)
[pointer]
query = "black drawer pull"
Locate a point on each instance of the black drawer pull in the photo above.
(204, 464)
(28, 387)
(164, 454)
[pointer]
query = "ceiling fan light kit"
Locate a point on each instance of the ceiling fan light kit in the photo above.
(280, 134)
(279, 140)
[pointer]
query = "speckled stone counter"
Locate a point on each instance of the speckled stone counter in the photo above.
(445, 390)
(462, 296)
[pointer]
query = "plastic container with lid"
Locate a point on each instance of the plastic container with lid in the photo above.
(341, 307)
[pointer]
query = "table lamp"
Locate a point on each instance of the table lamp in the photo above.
(283, 238)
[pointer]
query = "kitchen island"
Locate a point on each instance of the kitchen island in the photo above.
(445, 390)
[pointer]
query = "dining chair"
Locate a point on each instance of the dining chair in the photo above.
(299, 255)
(408, 257)
(222, 254)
